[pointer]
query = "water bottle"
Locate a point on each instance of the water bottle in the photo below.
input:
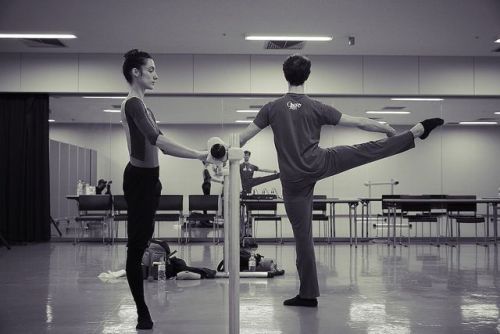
(161, 271)
(79, 188)
(252, 263)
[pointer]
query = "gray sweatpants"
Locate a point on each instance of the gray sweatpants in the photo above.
(298, 198)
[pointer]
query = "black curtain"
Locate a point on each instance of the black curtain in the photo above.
(24, 167)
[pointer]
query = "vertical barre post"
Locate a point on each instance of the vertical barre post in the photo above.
(235, 155)
(227, 194)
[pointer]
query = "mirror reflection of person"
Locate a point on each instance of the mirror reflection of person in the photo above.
(209, 177)
(247, 170)
(141, 183)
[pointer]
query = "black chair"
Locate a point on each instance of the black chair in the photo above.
(170, 209)
(420, 212)
(464, 213)
(320, 215)
(94, 208)
(120, 212)
(270, 214)
(209, 205)
(385, 214)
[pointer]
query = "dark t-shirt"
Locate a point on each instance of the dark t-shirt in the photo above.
(296, 121)
(246, 172)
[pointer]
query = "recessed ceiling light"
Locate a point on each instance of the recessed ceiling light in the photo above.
(52, 120)
(38, 36)
(497, 41)
(289, 38)
(478, 123)
(248, 110)
(105, 97)
(382, 122)
(416, 99)
(387, 112)
(112, 110)
(158, 122)
(497, 112)
(244, 121)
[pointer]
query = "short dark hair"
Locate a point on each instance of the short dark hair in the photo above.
(297, 69)
(134, 59)
(218, 151)
(247, 152)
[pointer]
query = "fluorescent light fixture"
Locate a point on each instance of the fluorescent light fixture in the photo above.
(497, 112)
(497, 41)
(112, 110)
(38, 36)
(387, 112)
(157, 122)
(478, 123)
(248, 110)
(105, 97)
(382, 122)
(52, 120)
(244, 121)
(416, 99)
(289, 38)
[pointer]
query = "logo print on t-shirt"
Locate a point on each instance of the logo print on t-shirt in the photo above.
(293, 106)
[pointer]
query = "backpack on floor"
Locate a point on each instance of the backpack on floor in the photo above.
(156, 251)
(159, 249)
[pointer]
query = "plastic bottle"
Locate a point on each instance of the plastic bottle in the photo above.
(161, 271)
(252, 263)
(79, 188)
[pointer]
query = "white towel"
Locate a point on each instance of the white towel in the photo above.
(188, 275)
(112, 276)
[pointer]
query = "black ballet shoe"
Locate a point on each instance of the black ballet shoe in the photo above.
(429, 125)
(297, 301)
(144, 323)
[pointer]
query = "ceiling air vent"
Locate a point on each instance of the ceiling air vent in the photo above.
(393, 108)
(284, 45)
(44, 43)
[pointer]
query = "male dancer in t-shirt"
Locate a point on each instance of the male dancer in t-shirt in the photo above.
(246, 173)
(296, 121)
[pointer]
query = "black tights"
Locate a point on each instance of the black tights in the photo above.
(142, 189)
(135, 280)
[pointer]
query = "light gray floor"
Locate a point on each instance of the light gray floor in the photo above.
(53, 288)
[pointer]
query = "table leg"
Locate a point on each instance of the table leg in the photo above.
(362, 220)
(495, 221)
(350, 226)
(394, 227)
(355, 214)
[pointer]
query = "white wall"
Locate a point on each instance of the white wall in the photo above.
(454, 160)
(254, 74)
